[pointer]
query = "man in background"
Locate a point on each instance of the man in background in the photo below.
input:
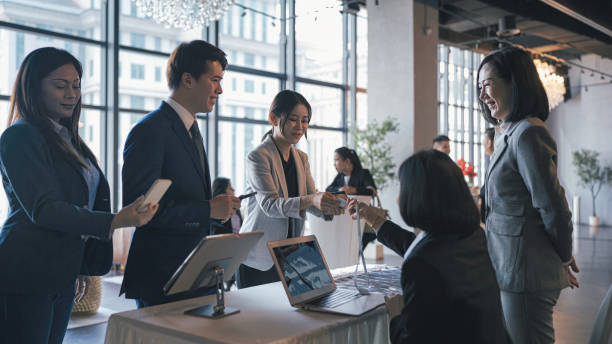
(442, 143)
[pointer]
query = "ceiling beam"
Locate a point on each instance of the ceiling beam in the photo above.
(551, 47)
(578, 16)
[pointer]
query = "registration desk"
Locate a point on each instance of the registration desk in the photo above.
(265, 317)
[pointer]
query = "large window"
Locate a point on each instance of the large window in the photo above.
(459, 116)
(319, 37)
(265, 54)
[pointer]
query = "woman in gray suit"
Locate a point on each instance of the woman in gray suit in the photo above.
(280, 174)
(529, 228)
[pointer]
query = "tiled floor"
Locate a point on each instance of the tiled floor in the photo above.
(576, 310)
(574, 314)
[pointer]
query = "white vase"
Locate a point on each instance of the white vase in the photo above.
(593, 221)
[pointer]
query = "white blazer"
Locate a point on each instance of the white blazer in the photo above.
(271, 210)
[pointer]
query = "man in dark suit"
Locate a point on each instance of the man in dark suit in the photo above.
(167, 144)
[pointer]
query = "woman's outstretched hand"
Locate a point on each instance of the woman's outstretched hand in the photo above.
(373, 216)
(327, 203)
(129, 216)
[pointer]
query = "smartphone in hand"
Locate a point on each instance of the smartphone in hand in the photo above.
(155, 193)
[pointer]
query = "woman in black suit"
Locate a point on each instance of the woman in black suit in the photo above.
(59, 224)
(450, 294)
(352, 178)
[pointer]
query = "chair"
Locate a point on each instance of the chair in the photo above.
(602, 330)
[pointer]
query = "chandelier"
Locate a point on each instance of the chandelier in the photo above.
(554, 84)
(184, 14)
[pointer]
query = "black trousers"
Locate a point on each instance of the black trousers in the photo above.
(247, 276)
(35, 318)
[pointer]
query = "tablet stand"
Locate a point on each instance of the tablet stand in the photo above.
(219, 310)
(212, 262)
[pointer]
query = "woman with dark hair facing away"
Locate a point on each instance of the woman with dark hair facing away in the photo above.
(223, 186)
(280, 174)
(352, 178)
(529, 227)
(450, 294)
(59, 226)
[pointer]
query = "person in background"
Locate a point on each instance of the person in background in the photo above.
(59, 227)
(529, 227)
(223, 186)
(352, 178)
(167, 143)
(450, 294)
(280, 174)
(441, 143)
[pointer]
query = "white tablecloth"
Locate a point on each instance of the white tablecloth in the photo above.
(265, 317)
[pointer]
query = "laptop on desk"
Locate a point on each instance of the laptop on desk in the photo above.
(309, 284)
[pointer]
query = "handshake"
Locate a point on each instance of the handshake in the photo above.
(328, 203)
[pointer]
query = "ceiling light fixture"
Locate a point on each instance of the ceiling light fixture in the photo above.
(184, 14)
(554, 83)
(506, 27)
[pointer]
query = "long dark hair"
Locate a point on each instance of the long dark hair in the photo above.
(282, 105)
(529, 98)
(347, 153)
(219, 186)
(434, 196)
(26, 102)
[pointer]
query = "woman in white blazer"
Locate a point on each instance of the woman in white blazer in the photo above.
(280, 174)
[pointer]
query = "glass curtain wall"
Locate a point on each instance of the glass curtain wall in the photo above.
(271, 45)
(459, 116)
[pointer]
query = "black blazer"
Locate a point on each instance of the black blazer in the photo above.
(449, 287)
(360, 180)
(159, 146)
(42, 245)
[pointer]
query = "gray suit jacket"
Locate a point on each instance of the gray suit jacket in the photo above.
(271, 210)
(529, 228)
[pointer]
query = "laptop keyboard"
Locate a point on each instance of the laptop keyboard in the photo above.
(336, 298)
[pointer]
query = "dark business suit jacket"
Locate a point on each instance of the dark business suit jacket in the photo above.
(360, 180)
(159, 146)
(449, 289)
(529, 227)
(42, 242)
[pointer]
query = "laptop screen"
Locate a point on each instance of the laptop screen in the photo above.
(302, 267)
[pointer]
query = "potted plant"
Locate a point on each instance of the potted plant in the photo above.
(592, 176)
(375, 152)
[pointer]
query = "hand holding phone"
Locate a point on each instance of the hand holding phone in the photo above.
(155, 193)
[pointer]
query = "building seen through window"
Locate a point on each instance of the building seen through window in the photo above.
(253, 44)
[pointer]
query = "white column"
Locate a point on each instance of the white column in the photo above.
(402, 78)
